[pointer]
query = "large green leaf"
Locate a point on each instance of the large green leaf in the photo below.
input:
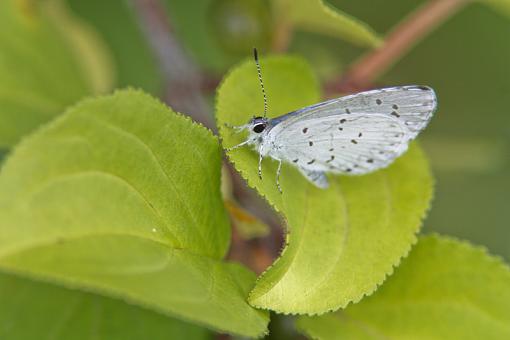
(344, 240)
(445, 289)
(316, 16)
(121, 196)
(41, 68)
(35, 310)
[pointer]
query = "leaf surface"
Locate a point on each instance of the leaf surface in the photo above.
(121, 196)
(445, 289)
(316, 16)
(36, 310)
(40, 71)
(342, 242)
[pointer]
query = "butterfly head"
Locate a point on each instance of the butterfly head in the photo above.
(257, 128)
(257, 125)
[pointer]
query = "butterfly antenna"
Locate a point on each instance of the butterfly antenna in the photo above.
(256, 57)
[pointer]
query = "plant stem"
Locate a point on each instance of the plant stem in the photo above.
(402, 38)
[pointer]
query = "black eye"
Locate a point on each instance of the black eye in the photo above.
(259, 128)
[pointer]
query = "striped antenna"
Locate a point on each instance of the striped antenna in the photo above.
(256, 57)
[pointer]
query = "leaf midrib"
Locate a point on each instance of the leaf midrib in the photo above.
(82, 173)
(156, 160)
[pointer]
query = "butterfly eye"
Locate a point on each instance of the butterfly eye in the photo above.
(259, 128)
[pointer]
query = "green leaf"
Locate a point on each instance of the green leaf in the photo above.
(116, 22)
(121, 196)
(344, 240)
(36, 310)
(86, 45)
(40, 72)
(316, 16)
(445, 289)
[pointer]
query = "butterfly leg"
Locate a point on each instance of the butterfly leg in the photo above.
(260, 163)
(236, 128)
(278, 172)
(237, 146)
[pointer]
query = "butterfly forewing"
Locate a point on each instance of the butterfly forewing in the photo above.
(355, 134)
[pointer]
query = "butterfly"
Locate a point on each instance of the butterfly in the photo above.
(352, 135)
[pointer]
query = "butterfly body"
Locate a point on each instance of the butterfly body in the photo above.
(352, 135)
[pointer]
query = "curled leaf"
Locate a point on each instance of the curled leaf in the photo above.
(343, 241)
(316, 16)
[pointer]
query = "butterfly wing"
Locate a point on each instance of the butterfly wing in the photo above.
(355, 134)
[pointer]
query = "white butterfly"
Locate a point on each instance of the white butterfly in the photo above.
(354, 135)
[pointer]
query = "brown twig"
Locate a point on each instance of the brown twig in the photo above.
(402, 38)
